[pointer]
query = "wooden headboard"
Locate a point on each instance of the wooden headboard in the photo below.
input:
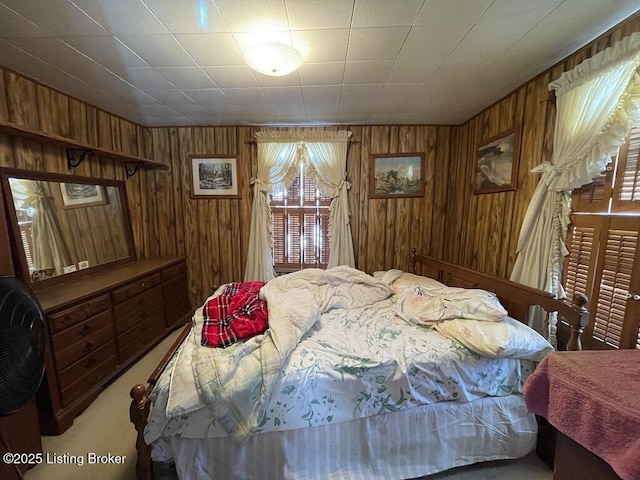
(515, 297)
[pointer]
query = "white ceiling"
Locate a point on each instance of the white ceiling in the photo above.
(180, 62)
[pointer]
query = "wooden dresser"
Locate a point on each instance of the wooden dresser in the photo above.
(102, 323)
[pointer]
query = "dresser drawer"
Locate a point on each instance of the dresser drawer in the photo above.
(147, 299)
(66, 351)
(80, 331)
(126, 322)
(136, 338)
(71, 316)
(176, 307)
(132, 289)
(90, 379)
(174, 270)
(85, 365)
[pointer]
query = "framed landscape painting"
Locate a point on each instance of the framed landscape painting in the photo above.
(396, 175)
(82, 195)
(497, 163)
(214, 176)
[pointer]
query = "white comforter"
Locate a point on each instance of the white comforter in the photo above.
(238, 381)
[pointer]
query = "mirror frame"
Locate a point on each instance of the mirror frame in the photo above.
(17, 249)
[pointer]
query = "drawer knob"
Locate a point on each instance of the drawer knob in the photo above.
(85, 330)
(87, 347)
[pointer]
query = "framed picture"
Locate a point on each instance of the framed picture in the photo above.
(214, 176)
(497, 163)
(396, 175)
(82, 195)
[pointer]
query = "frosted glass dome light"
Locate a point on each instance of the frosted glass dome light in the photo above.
(276, 59)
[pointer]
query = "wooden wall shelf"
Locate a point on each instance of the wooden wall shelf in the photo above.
(78, 151)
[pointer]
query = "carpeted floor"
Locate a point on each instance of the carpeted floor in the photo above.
(104, 429)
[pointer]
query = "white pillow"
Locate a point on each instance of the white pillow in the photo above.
(412, 280)
(506, 339)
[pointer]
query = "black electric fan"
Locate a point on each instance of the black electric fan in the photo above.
(23, 337)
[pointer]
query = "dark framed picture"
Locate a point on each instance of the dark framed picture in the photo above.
(396, 175)
(82, 195)
(214, 176)
(497, 163)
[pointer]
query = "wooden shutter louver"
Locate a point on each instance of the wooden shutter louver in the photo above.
(580, 258)
(594, 197)
(278, 237)
(627, 198)
(614, 287)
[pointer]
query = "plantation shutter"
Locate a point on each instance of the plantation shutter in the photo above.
(613, 307)
(594, 197)
(580, 263)
(626, 197)
(300, 226)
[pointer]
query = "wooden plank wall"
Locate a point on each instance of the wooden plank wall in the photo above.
(449, 222)
(482, 230)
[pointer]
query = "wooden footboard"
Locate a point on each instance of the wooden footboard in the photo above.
(141, 406)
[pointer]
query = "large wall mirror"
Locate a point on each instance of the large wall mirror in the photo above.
(64, 224)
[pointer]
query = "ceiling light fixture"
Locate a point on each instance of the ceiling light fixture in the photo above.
(276, 59)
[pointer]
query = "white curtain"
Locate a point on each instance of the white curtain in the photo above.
(597, 104)
(48, 250)
(280, 153)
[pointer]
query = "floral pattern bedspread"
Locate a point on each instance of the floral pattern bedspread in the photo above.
(359, 362)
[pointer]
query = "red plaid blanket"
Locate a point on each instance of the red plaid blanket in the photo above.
(236, 314)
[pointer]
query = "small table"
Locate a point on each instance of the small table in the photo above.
(592, 399)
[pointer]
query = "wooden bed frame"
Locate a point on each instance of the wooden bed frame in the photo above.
(516, 298)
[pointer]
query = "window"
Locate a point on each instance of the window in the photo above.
(300, 226)
(604, 251)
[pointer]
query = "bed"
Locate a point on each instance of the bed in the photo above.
(358, 377)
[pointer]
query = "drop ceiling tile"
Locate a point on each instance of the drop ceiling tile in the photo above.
(323, 94)
(186, 77)
(355, 108)
(413, 71)
(212, 49)
(122, 17)
(60, 17)
(170, 97)
(395, 98)
(324, 108)
(245, 16)
(207, 96)
(452, 12)
(233, 76)
(366, 72)
(290, 80)
(285, 95)
(65, 57)
(199, 16)
(318, 46)
(432, 42)
(142, 77)
(307, 15)
(289, 110)
(382, 13)
(15, 25)
(376, 43)
(106, 50)
(321, 73)
(366, 94)
(245, 96)
(158, 50)
(188, 110)
(133, 96)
